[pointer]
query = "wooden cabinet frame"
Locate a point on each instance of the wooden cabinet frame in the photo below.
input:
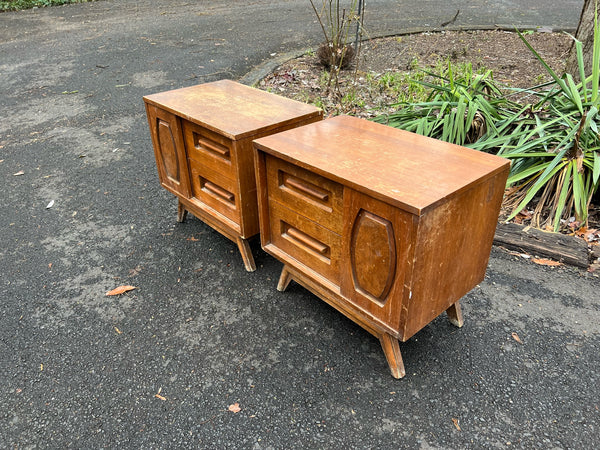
(388, 227)
(202, 138)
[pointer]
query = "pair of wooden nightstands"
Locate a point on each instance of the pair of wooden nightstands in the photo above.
(369, 218)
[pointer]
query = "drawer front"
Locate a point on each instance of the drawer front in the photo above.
(306, 241)
(309, 194)
(209, 149)
(215, 190)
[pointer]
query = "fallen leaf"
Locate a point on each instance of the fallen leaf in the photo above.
(160, 397)
(120, 290)
(516, 337)
(20, 172)
(235, 408)
(546, 262)
(456, 423)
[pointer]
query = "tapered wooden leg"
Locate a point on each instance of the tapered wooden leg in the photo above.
(455, 315)
(284, 279)
(246, 252)
(181, 212)
(391, 349)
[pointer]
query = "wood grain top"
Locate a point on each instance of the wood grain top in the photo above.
(410, 171)
(232, 109)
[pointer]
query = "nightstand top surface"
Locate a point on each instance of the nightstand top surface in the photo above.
(409, 170)
(232, 109)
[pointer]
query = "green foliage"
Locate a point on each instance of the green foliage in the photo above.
(460, 107)
(16, 5)
(555, 145)
(553, 142)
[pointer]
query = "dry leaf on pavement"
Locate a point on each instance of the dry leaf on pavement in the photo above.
(456, 423)
(546, 262)
(235, 408)
(517, 338)
(120, 290)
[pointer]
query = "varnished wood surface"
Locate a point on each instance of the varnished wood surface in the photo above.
(407, 170)
(169, 150)
(232, 109)
(202, 137)
(389, 265)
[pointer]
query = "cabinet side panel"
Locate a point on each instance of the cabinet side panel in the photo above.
(169, 150)
(453, 244)
(246, 179)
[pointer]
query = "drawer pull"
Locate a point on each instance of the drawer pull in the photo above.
(308, 241)
(203, 143)
(306, 189)
(218, 191)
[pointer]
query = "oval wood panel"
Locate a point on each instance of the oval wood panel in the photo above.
(168, 150)
(373, 256)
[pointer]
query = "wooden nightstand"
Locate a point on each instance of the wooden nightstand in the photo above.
(202, 137)
(389, 227)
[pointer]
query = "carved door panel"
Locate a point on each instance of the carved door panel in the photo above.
(376, 256)
(169, 150)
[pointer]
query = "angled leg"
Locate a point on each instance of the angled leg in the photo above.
(246, 252)
(391, 349)
(181, 212)
(455, 315)
(284, 279)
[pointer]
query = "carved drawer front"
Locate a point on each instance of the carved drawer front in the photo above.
(209, 148)
(312, 195)
(215, 190)
(306, 241)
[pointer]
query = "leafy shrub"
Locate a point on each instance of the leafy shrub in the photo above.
(553, 142)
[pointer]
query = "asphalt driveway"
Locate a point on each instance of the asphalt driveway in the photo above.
(82, 212)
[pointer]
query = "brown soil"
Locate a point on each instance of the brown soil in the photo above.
(503, 52)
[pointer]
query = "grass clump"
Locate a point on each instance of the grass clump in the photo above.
(17, 5)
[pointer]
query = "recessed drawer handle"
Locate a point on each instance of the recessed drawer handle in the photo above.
(213, 146)
(300, 186)
(305, 239)
(218, 191)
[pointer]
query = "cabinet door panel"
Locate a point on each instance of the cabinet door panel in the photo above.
(169, 150)
(311, 195)
(376, 256)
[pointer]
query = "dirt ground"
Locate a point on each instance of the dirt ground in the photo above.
(503, 52)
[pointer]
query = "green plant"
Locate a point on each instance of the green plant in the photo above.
(461, 107)
(16, 5)
(555, 145)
